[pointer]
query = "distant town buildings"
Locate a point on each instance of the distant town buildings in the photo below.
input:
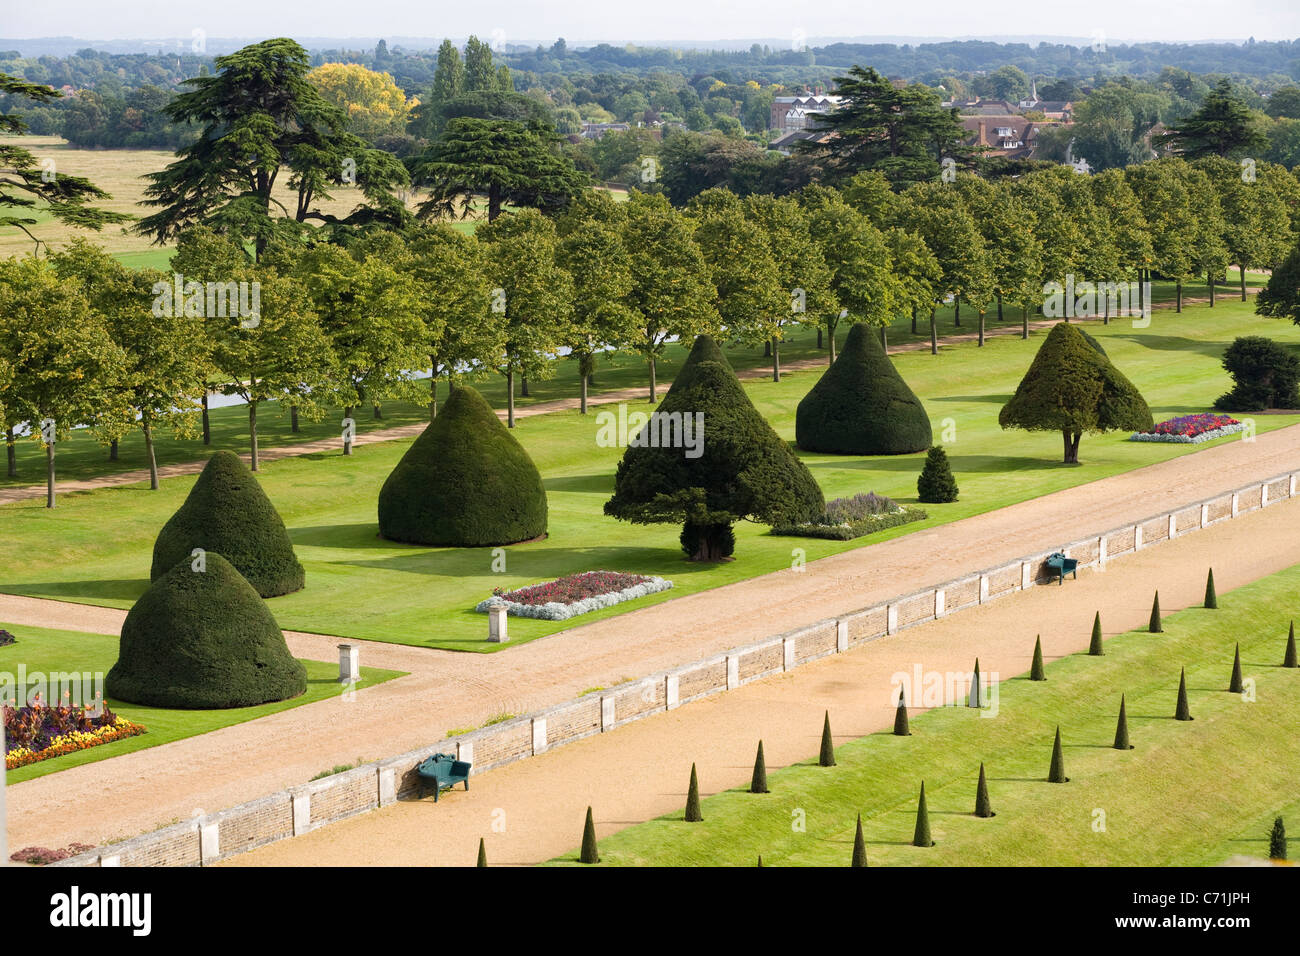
(794, 112)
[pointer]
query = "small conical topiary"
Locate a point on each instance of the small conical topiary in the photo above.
(1289, 659)
(1056, 772)
(861, 405)
(1121, 728)
(1211, 599)
(465, 482)
(1155, 625)
(1094, 646)
(1183, 712)
(201, 638)
(704, 349)
(976, 696)
(1036, 671)
(760, 860)
(758, 783)
(1235, 685)
(936, 485)
(228, 512)
(1277, 840)
(693, 813)
(901, 728)
(982, 806)
(859, 846)
(482, 853)
(589, 853)
(827, 756)
(921, 835)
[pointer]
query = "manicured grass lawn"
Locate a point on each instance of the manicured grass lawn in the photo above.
(96, 547)
(46, 651)
(1188, 794)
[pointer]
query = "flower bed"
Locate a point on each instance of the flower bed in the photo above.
(849, 518)
(1191, 429)
(575, 594)
(38, 732)
(43, 856)
(6, 638)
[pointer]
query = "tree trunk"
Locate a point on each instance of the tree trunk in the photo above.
(934, 336)
(1105, 310)
(767, 349)
(776, 359)
(914, 320)
(999, 306)
(1178, 295)
(510, 399)
(1024, 322)
(252, 434)
(433, 386)
(49, 474)
(523, 387)
(1071, 443)
(653, 397)
(830, 341)
(981, 318)
(347, 442)
(709, 542)
(956, 311)
(293, 419)
(150, 456)
(207, 430)
(1243, 281)
(112, 450)
(11, 452)
(1209, 280)
(884, 339)
(584, 394)
(819, 337)
(377, 412)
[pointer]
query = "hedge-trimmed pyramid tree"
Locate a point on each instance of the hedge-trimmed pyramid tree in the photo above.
(465, 482)
(901, 725)
(482, 854)
(736, 468)
(1121, 728)
(861, 405)
(1156, 624)
(1183, 711)
(203, 639)
(1036, 670)
(758, 782)
(859, 846)
(921, 835)
(975, 698)
(935, 485)
(1277, 840)
(1095, 648)
(1289, 658)
(827, 756)
(1056, 772)
(1211, 598)
(589, 853)
(1235, 683)
(982, 806)
(704, 349)
(228, 512)
(693, 813)
(1073, 388)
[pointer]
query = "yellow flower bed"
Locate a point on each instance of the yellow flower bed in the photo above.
(70, 743)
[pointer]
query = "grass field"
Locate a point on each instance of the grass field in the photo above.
(96, 547)
(1189, 793)
(47, 651)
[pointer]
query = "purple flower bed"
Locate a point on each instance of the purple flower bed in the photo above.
(575, 594)
(1201, 427)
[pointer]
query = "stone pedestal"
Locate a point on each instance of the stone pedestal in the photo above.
(497, 632)
(349, 663)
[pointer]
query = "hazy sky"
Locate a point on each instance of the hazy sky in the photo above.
(580, 21)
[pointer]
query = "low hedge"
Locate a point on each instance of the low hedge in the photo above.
(855, 529)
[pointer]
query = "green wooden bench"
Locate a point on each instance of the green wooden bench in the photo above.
(1062, 565)
(442, 772)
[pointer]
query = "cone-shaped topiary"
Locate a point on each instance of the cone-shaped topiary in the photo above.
(861, 405)
(693, 814)
(921, 835)
(1277, 840)
(482, 853)
(228, 512)
(1211, 599)
(758, 782)
(760, 860)
(827, 756)
(1094, 646)
(589, 854)
(1155, 625)
(982, 806)
(708, 459)
(705, 349)
(465, 482)
(1036, 671)
(1073, 388)
(859, 846)
(1183, 712)
(1121, 728)
(1289, 659)
(1235, 685)
(935, 484)
(976, 696)
(1056, 772)
(203, 640)
(901, 728)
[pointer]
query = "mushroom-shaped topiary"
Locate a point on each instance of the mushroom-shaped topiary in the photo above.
(861, 405)
(200, 638)
(465, 482)
(228, 512)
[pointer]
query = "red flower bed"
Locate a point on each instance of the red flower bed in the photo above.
(572, 587)
(1193, 425)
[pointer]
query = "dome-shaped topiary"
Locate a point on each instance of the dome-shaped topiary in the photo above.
(861, 405)
(202, 639)
(465, 482)
(228, 512)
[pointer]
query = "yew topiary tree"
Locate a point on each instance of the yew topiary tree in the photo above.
(465, 482)
(1072, 388)
(733, 467)
(228, 512)
(1265, 374)
(861, 405)
(935, 484)
(199, 638)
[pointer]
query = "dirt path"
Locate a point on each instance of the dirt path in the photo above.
(139, 791)
(639, 771)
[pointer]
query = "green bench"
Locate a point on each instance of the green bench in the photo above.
(1062, 565)
(442, 772)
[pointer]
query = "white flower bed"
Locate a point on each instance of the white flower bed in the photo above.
(1212, 434)
(554, 611)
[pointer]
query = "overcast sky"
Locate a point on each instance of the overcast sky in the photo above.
(620, 21)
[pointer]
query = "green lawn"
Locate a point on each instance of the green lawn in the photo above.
(96, 547)
(1188, 794)
(46, 651)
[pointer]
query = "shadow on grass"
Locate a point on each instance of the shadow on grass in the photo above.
(123, 589)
